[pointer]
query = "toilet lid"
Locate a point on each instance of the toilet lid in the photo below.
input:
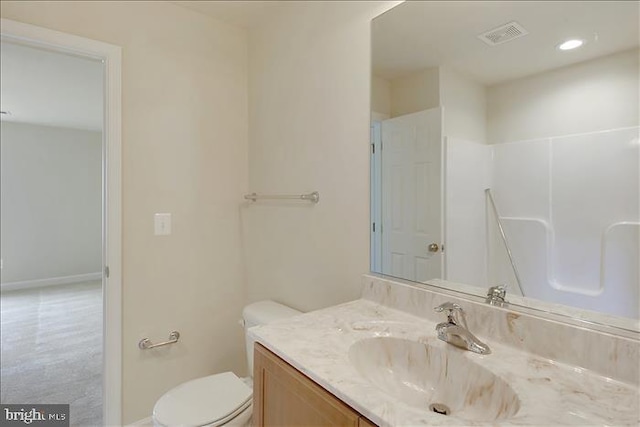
(203, 401)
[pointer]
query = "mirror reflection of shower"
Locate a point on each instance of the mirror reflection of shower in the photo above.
(580, 251)
(553, 133)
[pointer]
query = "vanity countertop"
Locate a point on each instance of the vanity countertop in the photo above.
(550, 392)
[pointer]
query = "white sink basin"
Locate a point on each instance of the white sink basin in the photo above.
(434, 378)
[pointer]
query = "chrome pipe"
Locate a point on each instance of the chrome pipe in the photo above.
(487, 192)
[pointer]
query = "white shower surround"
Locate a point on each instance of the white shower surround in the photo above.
(580, 251)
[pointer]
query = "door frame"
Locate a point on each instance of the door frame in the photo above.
(111, 56)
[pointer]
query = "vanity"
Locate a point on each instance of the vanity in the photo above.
(378, 361)
(284, 396)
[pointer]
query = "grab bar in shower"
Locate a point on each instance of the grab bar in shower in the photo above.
(487, 192)
(145, 343)
(312, 197)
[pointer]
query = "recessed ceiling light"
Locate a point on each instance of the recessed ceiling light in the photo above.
(570, 44)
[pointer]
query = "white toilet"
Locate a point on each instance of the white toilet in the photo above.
(220, 399)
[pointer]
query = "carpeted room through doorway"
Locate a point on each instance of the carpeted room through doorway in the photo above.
(52, 348)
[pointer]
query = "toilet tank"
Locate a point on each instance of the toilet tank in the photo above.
(261, 313)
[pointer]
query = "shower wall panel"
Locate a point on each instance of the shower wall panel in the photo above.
(570, 206)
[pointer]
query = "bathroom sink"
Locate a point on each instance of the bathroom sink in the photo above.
(434, 378)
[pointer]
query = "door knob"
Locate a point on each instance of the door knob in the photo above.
(434, 247)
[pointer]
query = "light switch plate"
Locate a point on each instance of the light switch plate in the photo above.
(162, 224)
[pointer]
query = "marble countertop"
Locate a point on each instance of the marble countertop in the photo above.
(550, 393)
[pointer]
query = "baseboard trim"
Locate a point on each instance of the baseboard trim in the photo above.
(143, 422)
(27, 284)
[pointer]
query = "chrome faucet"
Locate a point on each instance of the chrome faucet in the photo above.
(455, 331)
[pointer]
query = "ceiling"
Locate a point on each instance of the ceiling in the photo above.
(422, 34)
(50, 88)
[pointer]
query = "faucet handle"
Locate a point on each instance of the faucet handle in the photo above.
(455, 313)
(496, 295)
(449, 306)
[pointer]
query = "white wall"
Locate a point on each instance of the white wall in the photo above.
(51, 201)
(587, 97)
(310, 106)
(184, 143)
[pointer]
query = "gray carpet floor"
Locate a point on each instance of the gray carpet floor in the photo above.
(52, 348)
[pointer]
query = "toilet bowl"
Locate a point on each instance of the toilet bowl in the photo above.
(221, 399)
(215, 400)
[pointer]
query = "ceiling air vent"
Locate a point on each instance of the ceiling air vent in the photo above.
(503, 34)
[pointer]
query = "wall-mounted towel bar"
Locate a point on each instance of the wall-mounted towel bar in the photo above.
(145, 343)
(312, 197)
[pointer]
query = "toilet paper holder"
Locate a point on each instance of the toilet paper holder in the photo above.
(145, 343)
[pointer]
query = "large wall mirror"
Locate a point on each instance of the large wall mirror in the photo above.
(505, 150)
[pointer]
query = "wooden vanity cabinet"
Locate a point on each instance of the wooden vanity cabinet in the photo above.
(363, 422)
(284, 397)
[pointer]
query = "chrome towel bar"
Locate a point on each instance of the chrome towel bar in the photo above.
(145, 343)
(312, 197)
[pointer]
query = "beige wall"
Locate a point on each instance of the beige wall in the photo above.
(464, 102)
(309, 85)
(184, 84)
(416, 92)
(463, 99)
(561, 102)
(380, 95)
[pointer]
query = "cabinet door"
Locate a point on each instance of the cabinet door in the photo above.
(363, 422)
(282, 396)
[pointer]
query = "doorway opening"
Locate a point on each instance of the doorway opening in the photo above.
(61, 223)
(51, 229)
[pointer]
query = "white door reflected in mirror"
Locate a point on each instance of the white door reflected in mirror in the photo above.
(411, 163)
